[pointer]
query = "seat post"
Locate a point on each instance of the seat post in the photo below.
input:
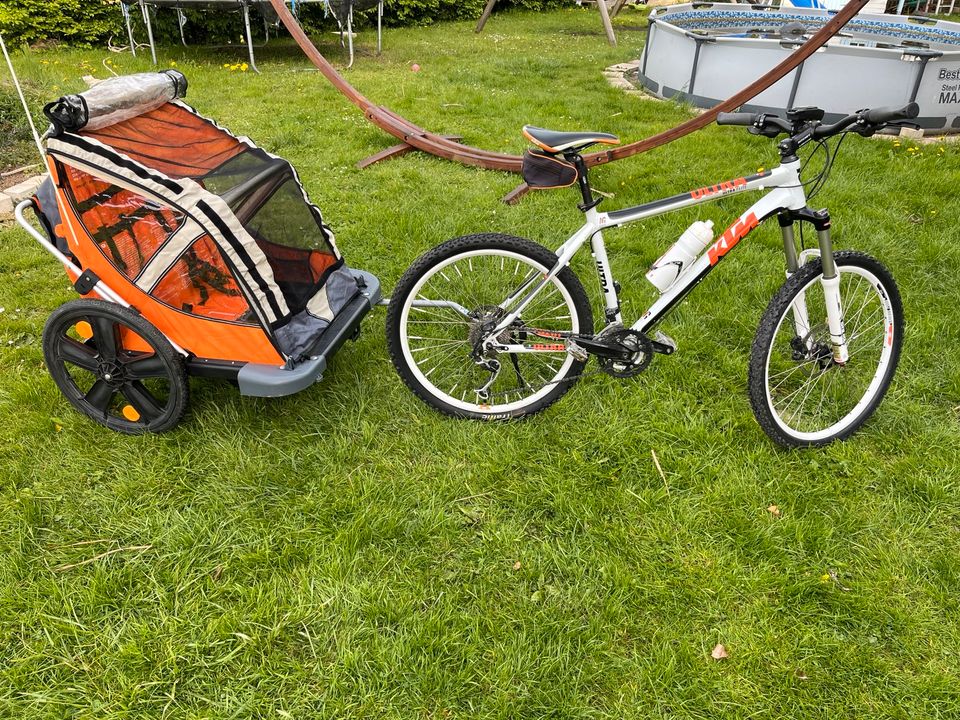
(583, 181)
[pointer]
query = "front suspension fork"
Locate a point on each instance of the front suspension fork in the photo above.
(831, 297)
(830, 281)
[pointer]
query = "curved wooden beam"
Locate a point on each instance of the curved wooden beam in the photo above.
(442, 146)
(816, 41)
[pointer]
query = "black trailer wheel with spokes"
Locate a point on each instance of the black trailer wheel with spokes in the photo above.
(115, 367)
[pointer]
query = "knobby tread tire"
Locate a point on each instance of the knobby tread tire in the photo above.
(779, 305)
(466, 243)
(176, 371)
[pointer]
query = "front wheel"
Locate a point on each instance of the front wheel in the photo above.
(448, 303)
(800, 395)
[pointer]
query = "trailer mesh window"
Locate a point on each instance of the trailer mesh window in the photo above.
(128, 228)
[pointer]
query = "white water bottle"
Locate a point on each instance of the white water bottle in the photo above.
(665, 271)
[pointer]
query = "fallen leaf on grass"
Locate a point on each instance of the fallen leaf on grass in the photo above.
(774, 510)
(516, 565)
(800, 674)
(719, 652)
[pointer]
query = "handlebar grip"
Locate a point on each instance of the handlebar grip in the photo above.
(882, 115)
(740, 118)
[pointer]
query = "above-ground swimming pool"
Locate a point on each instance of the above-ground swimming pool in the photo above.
(703, 53)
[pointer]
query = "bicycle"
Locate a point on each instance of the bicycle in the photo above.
(824, 353)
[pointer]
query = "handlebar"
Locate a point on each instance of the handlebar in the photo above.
(884, 115)
(740, 118)
(759, 123)
(772, 125)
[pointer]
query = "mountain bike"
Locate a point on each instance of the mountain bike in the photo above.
(494, 327)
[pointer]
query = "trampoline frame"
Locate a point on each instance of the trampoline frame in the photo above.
(244, 7)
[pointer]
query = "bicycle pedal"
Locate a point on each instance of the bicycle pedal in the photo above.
(663, 343)
(578, 352)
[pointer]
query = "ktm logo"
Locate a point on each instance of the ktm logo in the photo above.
(734, 234)
(724, 187)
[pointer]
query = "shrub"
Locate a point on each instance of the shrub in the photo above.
(93, 22)
(80, 22)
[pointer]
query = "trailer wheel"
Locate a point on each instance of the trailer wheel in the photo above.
(115, 367)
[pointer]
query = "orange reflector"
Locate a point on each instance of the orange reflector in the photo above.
(130, 413)
(84, 330)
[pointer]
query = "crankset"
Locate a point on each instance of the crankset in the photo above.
(635, 351)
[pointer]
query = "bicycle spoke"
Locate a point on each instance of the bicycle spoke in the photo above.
(441, 346)
(105, 337)
(142, 400)
(77, 354)
(100, 395)
(814, 394)
(146, 367)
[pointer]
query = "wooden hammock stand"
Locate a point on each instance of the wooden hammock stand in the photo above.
(445, 146)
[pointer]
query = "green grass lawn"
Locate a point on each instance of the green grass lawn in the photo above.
(346, 552)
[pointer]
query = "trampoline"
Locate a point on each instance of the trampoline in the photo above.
(342, 11)
(703, 52)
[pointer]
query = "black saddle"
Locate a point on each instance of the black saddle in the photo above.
(555, 142)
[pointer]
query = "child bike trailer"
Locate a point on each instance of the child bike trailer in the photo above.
(197, 253)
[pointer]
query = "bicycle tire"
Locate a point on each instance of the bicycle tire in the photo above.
(446, 255)
(880, 286)
(131, 391)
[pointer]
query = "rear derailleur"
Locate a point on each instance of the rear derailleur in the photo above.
(481, 323)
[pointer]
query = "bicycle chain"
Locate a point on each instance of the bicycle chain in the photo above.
(574, 378)
(538, 388)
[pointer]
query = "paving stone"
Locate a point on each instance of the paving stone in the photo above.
(6, 206)
(23, 190)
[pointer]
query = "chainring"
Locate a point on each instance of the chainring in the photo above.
(634, 341)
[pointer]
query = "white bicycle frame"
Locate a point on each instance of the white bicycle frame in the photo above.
(786, 193)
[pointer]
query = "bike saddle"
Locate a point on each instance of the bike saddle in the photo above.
(554, 142)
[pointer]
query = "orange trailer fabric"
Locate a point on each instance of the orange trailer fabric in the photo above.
(172, 140)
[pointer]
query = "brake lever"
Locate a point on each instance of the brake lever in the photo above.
(904, 124)
(770, 132)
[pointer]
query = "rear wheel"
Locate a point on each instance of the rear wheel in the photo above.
(115, 367)
(453, 296)
(799, 394)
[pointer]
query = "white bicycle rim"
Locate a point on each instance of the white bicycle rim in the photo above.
(480, 407)
(885, 355)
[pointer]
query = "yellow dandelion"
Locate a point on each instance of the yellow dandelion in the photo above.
(244, 67)
(825, 578)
